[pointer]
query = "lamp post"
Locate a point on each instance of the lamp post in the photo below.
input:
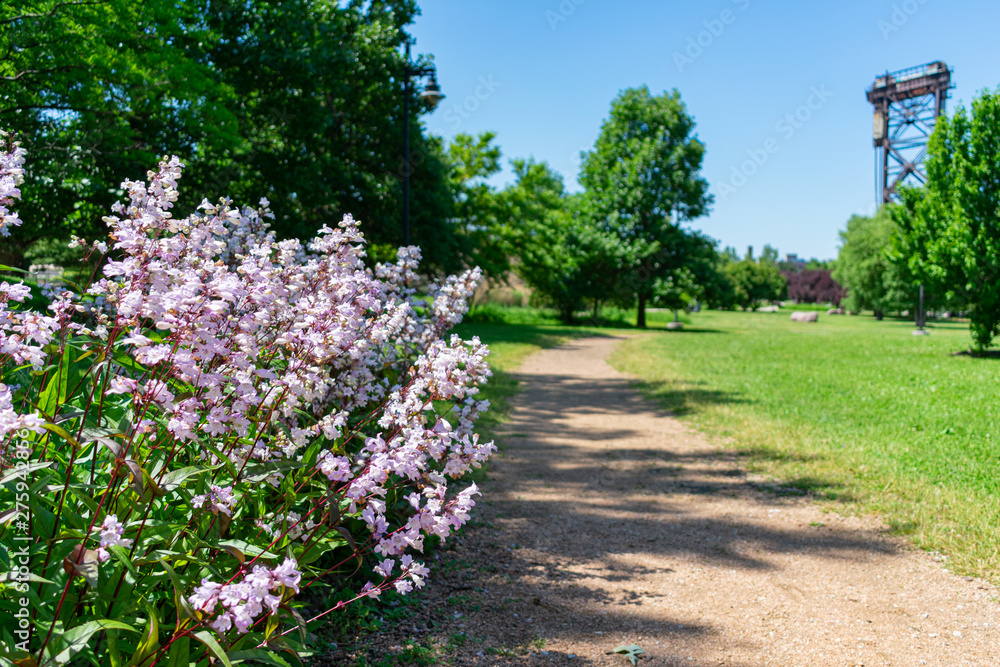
(432, 95)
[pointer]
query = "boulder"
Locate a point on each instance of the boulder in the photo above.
(675, 326)
(805, 316)
(768, 309)
(835, 311)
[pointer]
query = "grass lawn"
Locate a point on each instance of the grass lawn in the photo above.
(849, 409)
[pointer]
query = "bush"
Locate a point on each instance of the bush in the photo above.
(813, 286)
(220, 422)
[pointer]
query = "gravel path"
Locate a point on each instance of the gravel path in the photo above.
(606, 522)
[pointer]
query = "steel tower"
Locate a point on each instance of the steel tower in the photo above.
(907, 104)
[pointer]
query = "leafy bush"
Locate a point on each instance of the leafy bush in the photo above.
(218, 423)
(813, 286)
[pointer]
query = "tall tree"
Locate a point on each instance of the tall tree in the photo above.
(481, 226)
(97, 91)
(544, 236)
(642, 182)
(296, 100)
(949, 230)
(873, 282)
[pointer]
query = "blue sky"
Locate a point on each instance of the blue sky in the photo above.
(542, 74)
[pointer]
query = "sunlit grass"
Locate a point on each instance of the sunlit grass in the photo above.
(851, 409)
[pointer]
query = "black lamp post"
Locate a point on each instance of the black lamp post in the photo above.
(432, 95)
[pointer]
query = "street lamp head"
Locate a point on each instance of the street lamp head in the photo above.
(432, 93)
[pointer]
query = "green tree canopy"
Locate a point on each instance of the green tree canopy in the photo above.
(949, 230)
(544, 235)
(755, 283)
(642, 181)
(97, 91)
(481, 224)
(873, 282)
(299, 101)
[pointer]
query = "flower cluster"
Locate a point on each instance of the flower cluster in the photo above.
(23, 336)
(218, 499)
(111, 536)
(11, 177)
(234, 395)
(241, 603)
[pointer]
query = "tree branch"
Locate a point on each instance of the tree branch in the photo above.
(50, 70)
(51, 12)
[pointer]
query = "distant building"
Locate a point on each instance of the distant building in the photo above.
(793, 263)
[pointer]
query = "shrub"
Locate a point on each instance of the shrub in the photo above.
(218, 423)
(813, 286)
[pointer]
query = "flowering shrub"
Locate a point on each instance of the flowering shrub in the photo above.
(219, 422)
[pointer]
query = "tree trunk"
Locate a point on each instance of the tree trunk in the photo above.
(879, 314)
(676, 318)
(597, 309)
(640, 318)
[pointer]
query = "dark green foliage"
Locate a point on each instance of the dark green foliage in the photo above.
(96, 91)
(872, 280)
(299, 101)
(949, 230)
(552, 249)
(481, 226)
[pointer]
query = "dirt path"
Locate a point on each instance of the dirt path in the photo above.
(606, 522)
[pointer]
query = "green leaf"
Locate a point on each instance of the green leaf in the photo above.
(56, 390)
(208, 640)
(246, 548)
(300, 621)
(184, 609)
(259, 473)
(631, 651)
(123, 359)
(350, 541)
(121, 554)
(60, 431)
(173, 480)
(180, 653)
(150, 639)
(258, 655)
(24, 471)
(114, 655)
(75, 639)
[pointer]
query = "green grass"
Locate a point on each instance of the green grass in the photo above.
(850, 409)
(608, 317)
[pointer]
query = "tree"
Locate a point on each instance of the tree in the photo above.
(873, 282)
(544, 235)
(96, 91)
(299, 101)
(949, 230)
(481, 225)
(642, 181)
(755, 282)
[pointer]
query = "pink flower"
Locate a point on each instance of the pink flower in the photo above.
(111, 536)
